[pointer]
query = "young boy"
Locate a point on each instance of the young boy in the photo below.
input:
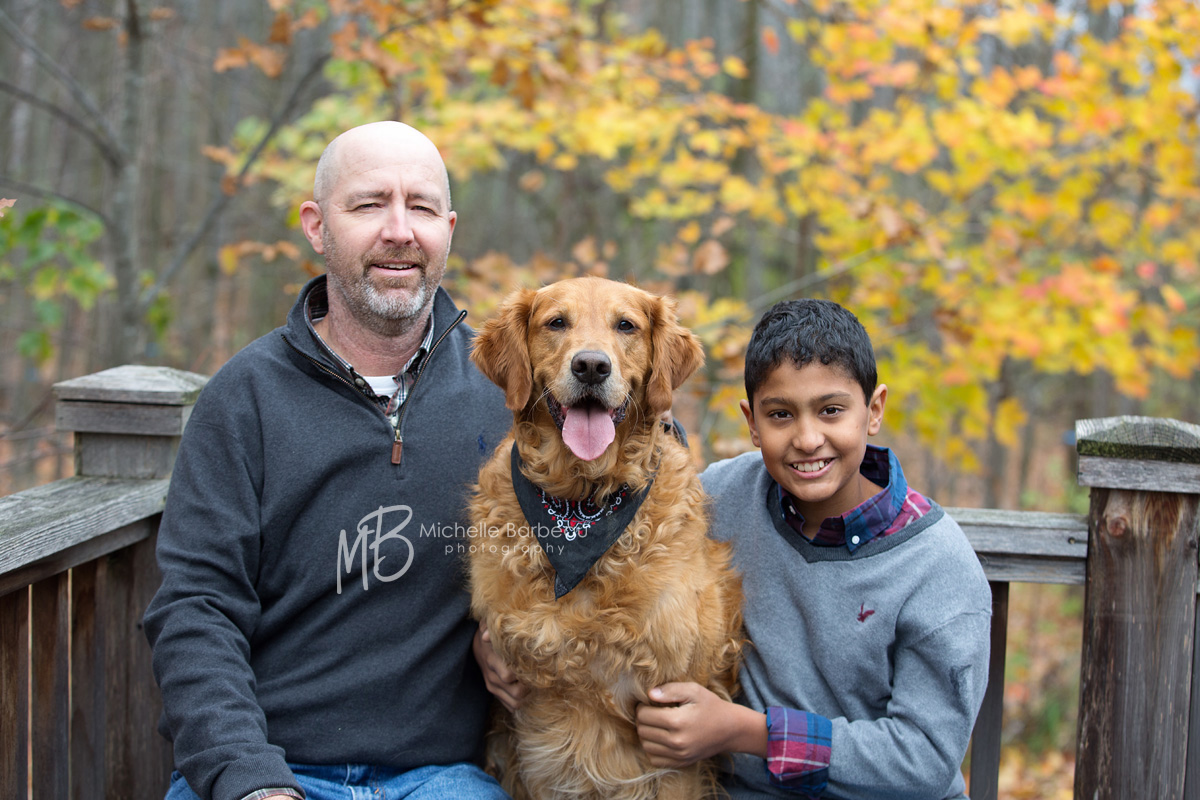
(867, 610)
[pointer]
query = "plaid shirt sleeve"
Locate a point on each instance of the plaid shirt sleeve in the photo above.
(798, 750)
(261, 794)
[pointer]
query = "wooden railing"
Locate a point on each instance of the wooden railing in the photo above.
(78, 705)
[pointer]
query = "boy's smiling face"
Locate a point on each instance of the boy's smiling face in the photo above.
(812, 424)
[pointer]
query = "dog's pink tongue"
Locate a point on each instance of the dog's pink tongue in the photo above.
(588, 430)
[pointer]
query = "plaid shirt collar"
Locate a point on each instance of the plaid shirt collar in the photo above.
(317, 306)
(872, 518)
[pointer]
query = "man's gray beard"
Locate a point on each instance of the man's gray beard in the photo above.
(382, 314)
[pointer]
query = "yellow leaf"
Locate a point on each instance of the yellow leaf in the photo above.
(690, 233)
(227, 258)
(735, 67)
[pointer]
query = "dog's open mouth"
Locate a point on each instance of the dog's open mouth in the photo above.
(588, 427)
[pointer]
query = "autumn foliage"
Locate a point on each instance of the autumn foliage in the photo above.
(982, 183)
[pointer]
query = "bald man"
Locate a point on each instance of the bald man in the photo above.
(311, 635)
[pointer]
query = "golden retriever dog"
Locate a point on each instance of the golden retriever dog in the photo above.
(593, 570)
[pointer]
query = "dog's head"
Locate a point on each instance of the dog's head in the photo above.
(597, 353)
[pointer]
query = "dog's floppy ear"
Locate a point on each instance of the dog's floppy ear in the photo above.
(677, 353)
(501, 350)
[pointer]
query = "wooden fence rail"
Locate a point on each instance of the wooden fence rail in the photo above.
(77, 569)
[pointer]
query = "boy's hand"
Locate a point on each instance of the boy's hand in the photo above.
(693, 724)
(500, 680)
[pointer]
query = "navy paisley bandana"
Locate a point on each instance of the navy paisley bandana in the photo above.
(574, 534)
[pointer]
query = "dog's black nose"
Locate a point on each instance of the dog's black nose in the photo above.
(591, 367)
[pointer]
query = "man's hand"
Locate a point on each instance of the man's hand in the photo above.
(691, 723)
(500, 680)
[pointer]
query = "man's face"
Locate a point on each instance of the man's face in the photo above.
(385, 231)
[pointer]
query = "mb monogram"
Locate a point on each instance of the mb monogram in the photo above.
(374, 531)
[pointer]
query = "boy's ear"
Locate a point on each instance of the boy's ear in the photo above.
(748, 412)
(875, 409)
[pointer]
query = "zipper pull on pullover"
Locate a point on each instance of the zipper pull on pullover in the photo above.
(398, 442)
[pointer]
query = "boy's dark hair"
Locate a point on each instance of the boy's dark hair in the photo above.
(810, 330)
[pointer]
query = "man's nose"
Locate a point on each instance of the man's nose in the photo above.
(396, 226)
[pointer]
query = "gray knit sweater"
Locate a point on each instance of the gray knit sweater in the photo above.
(901, 685)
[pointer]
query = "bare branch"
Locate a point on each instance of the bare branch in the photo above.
(49, 194)
(114, 153)
(188, 246)
(62, 114)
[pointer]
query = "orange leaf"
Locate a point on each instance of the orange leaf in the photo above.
(309, 19)
(230, 58)
(1174, 299)
(100, 24)
(281, 29)
(710, 258)
(770, 41)
(159, 14)
(526, 89)
(221, 155)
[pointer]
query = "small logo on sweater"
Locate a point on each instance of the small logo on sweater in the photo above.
(864, 612)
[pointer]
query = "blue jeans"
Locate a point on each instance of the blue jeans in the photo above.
(355, 782)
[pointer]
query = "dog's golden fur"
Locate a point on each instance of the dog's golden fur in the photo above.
(661, 605)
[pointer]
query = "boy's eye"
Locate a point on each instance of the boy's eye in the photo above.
(830, 411)
(779, 415)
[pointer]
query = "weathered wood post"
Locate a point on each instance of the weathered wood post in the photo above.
(1139, 620)
(127, 423)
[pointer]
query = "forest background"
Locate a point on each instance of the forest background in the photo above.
(1005, 193)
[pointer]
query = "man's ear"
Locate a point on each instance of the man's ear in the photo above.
(675, 354)
(748, 413)
(875, 409)
(501, 349)
(311, 222)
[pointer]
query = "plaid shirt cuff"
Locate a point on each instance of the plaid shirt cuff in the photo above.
(798, 748)
(262, 794)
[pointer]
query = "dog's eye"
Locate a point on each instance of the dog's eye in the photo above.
(625, 326)
(556, 324)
